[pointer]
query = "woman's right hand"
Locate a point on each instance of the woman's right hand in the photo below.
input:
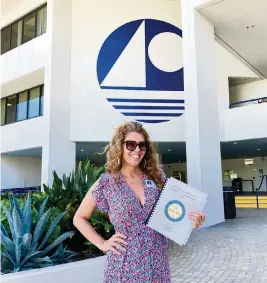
(114, 244)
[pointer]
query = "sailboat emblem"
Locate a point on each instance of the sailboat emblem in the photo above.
(140, 70)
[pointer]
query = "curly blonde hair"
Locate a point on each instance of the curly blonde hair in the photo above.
(114, 152)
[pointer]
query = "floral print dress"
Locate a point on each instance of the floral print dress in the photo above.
(145, 259)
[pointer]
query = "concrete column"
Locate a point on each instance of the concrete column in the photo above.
(223, 100)
(201, 111)
(58, 151)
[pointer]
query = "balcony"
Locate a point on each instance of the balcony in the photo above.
(24, 59)
(246, 122)
(21, 135)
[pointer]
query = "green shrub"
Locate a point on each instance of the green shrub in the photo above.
(67, 194)
(102, 225)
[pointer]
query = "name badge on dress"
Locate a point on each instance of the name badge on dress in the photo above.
(149, 183)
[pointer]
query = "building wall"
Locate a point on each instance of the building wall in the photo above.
(92, 116)
(89, 107)
(19, 172)
(27, 81)
(26, 172)
(248, 91)
(243, 123)
(246, 120)
(198, 4)
(22, 135)
(238, 167)
(11, 10)
(227, 66)
(23, 60)
(239, 123)
(88, 100)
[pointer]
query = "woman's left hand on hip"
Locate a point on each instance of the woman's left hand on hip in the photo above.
(197, 218)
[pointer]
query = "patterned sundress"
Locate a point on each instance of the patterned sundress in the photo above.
(145, 259)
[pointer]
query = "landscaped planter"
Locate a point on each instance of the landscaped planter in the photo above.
(85, 271)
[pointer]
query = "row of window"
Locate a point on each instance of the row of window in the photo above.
(21, 106)
(24, 29)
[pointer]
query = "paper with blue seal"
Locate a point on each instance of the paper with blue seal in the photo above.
(170, 213)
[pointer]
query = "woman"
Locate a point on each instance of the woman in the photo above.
(136, 253)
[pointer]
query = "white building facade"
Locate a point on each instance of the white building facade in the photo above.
(73, 70)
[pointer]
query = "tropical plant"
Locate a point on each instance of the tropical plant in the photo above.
(72, 189)
(6, 200)
(2, 214)
(86, 175)
(37, 198)
(67, 194)
(26, 246)
(5, 195)
(102, 225)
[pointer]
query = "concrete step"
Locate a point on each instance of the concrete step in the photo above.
(251, 206)
(245, 205)
(250, 197)
(250, 202)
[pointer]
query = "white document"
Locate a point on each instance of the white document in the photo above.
(170, 213)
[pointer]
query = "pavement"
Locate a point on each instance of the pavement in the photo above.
(233, 251)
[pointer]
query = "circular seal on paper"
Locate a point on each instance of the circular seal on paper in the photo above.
(175, 210)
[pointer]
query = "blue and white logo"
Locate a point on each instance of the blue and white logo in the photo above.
(140, 70)
(175, 211)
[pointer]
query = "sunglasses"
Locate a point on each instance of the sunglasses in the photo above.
(132, 145)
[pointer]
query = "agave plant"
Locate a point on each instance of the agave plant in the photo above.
(26, 247)
(62, 255)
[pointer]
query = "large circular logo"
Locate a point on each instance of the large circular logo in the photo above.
(175, 211)
(140, 70)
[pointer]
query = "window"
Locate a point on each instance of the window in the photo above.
(41, 21)
(29, 27)
(34, 102)
(5, 39)
(16, 34)
(24, 29)
(11, 109)
(21, 106)
(3, 111)
(42, 101)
